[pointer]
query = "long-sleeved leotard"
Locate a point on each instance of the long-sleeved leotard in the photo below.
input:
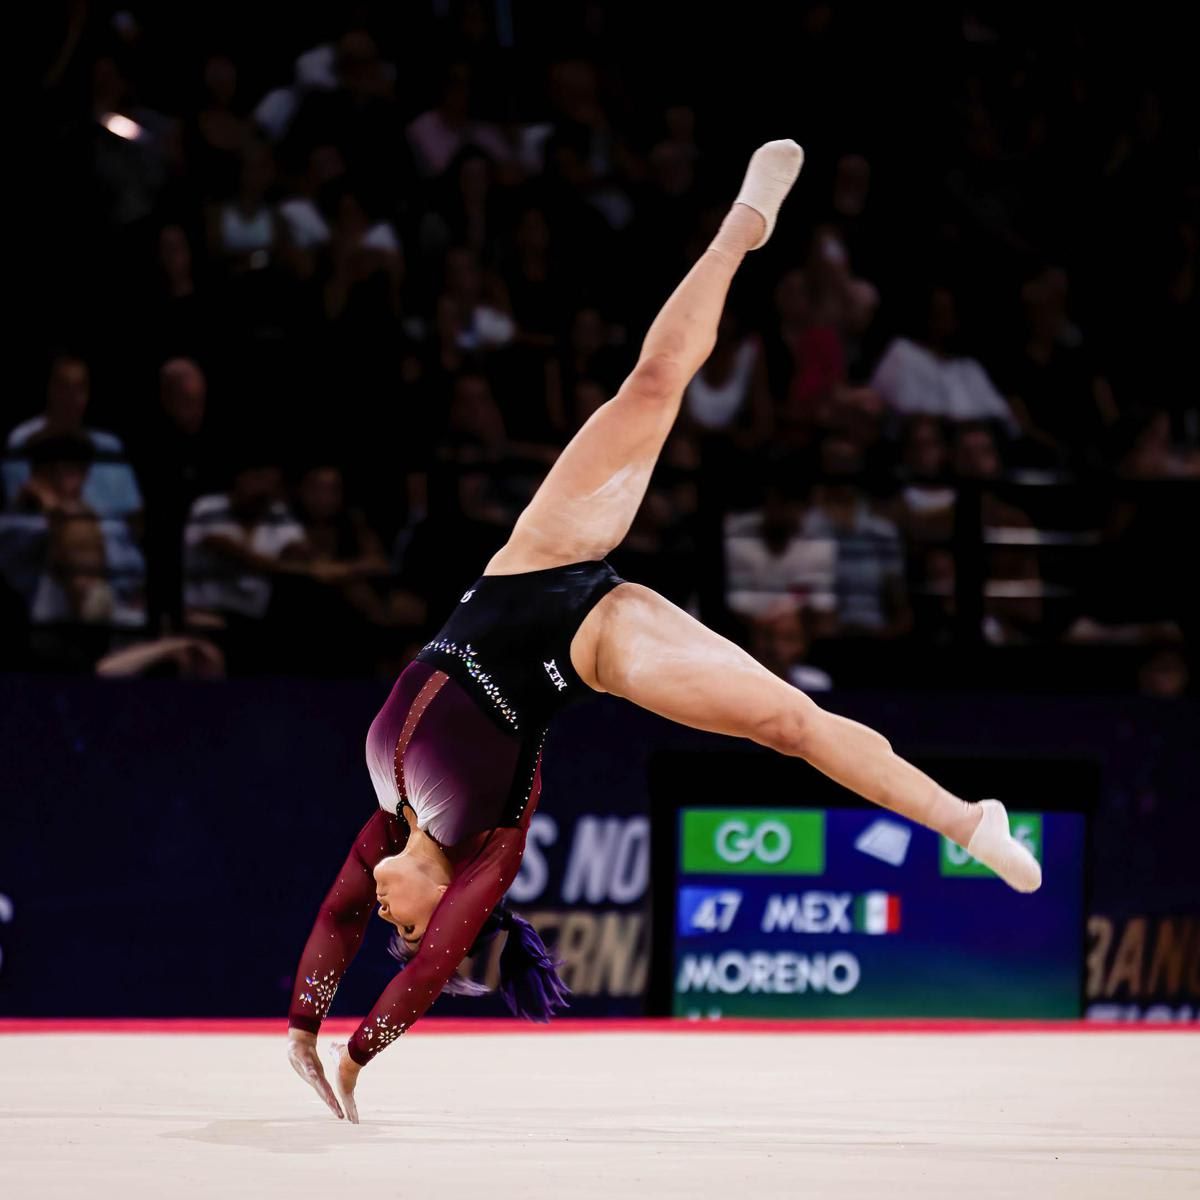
(486, 783)
(458, 741)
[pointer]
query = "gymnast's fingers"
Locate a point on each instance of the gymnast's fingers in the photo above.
(308, 1067)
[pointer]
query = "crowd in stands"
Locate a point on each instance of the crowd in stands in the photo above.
(324, 303)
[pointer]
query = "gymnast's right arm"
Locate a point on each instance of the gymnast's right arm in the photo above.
(335, 938)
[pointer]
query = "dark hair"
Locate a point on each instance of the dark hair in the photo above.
(529, 980)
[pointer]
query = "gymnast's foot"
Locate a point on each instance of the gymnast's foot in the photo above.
(773, 169)
(993, 845)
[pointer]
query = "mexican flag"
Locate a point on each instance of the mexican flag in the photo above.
(877, 912)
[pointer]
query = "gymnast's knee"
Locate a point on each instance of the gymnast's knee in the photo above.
(656, 378)
(793, 730)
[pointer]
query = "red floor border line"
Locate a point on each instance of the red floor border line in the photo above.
(668, 1025)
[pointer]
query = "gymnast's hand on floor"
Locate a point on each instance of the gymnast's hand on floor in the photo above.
(347, 1077)
(302, 1054)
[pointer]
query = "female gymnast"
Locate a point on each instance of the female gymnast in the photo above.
(455, 753)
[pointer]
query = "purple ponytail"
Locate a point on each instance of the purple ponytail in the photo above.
(529, 981)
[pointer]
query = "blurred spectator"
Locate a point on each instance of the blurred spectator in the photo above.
(853, 214)
(306, 223)
(781, 640)
(770, 561)
(180, 459)
(591, 353)
(1061, 400)
(869, 572)
(334, 532)
(534, 282)
(927, 376)
(111, 489)
(343, 600)
(70, 565)
(729, 393)
(221, 134)
(839, 300)
(477, 442)
(367, 269)
(236, 543)
(472, 310)
(924, 507)
(805, 361)
(244, 231)
(314, 70)
(358, 114)
(440, 133)
(666, 212)
(166, 658)
(463, 209)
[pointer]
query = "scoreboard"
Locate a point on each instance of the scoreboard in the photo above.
(846, 912)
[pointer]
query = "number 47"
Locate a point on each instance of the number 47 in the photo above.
(715, 913)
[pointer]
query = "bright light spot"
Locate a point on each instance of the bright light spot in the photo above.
(123, 127)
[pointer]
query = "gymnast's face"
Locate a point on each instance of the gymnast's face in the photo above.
(407, 897)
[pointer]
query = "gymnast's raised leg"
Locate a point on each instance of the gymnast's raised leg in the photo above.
(636, 644)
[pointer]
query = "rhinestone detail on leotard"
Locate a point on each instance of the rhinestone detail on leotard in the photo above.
(321, 996)
(469, 658)
(383, 1033)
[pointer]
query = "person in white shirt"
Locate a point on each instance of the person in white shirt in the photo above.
(769, 564)
(236, 542)
(926, 377)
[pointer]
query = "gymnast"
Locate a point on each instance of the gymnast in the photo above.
(455, 753)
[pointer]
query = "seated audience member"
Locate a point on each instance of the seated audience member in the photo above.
(71, 566)
(245, 232)
(1064, 404)
(770, 562)
(924, 508)
(729, 394)
(236, 543)
(111, 489)
(438, 135)
(472, 311)
(927, 376)
(806, 363)
(341, 537)
(869, 572)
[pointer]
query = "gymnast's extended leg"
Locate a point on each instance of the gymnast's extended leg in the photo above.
(588, 500)
(640, 646)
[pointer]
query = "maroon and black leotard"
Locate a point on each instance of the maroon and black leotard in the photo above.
(459, 741)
